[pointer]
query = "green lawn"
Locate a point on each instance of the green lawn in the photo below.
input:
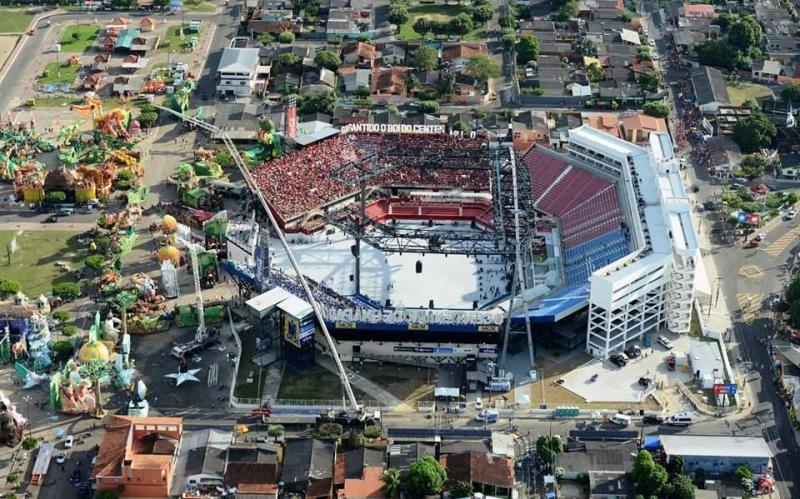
(57, 101)
(317, 384)
(66, 75)
(86, 36)
(14, 20)
(740, 92)
(34, 262)
(437, 13)
(199, 6)
(173, 41)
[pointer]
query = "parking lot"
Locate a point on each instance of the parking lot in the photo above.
(614, 384)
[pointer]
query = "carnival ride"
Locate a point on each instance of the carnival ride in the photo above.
(269, 144)
(19, 145)
(180, 99)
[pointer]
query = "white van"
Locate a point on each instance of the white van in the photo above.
(680, 419)
(621, 419)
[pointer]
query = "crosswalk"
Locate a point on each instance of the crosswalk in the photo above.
(750, 304)
(777, 247)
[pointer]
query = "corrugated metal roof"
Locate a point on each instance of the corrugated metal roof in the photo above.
(715, 446)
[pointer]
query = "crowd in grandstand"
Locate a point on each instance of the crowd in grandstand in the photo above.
(300, 181)
(324, 295)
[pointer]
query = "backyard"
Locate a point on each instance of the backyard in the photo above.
(738, 93)
(79, 38)
(53, 73)
(436, 13)
(33, 264)
(14, 20)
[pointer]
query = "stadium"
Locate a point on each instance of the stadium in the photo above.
(429, 247)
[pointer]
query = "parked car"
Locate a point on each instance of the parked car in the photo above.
(645, 382)
(50, 220)
(617, 360)
(680, 419)
(61, 457)
(621, 419)
(69, 441)
(760, 236)
(753, 243)
(652, 419)
(664, 342)
(790, 215)
(633, 351)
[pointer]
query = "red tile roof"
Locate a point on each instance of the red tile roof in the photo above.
(368, 487)
(480, 467)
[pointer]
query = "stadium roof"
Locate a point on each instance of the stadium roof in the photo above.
(296, 307)
(715, 446)
(265, 302)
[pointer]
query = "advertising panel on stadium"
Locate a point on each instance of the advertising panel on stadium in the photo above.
(393, 128)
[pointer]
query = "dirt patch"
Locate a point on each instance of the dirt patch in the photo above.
(7, 44)
(409, 384)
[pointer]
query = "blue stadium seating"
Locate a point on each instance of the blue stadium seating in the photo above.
(583, 259)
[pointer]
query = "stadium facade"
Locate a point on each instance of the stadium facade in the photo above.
(653, 286)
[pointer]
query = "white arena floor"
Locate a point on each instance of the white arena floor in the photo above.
(452, 281)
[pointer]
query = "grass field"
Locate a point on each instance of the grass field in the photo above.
(409, 384)
(199, 6)
(436, 13)
(173, 41)
(248, 370)
(34, 262)
(317, 384)
(740, 92)
(86, 36)
(14, 20)
(66, 75)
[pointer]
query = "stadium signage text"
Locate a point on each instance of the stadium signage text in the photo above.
(394, 128)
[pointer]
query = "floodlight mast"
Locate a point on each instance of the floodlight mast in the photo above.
(309, 295)
(201, 334)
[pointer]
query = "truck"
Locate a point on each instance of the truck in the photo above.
(670, 360)
(197, 345)
(487, 416)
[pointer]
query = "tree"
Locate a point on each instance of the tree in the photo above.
(752, 165)
(791, 198)
(94, 371)
(742, 471)
(675, 465)
(626, 17)
(422, 26)
(751, 105)
(429, 106)
(62, 350)
(461, 24)
(754, 132)
(725, 21)
(30, 443)
(791, 93)
(462, 489)
(328, 60)
(482, 13)
(286, 37)
(67, 290)
(508, 40)
(482, 67)
(266, 38)
(9, 287)
(95, 262)
(319, 102)
(507, 22)
(447, 85)
(426, 476)
(527, 49)
(355, 439)
(649, 80)
(275, 430)
(595, 72)
(372, 431)
(744, 34)
(288, 60)
(649, 476)
(657, 109)
(717, 53)
(398, 14)
(700, 478)
(61, 315)
(148, 119)
(567, 12)
(548, 447)
(69, 330)
(425, 58)
(391, 482)
(679, 486)
(462, 127)
(55, 197)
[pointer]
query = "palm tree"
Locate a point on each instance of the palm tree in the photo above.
(95, 370)
(391, 482)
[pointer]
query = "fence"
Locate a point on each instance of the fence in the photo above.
(702, 406)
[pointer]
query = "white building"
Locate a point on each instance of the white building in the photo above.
(653, 286)
(237, 72)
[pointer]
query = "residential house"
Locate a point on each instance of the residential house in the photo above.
(630, 37)
(239, 120)
(323, 80)
(308, 467)
(766, 69)
(346, 116)
(530, 127)
(349, 22)
(137, 456)
(606, 122)
(393, 54)
(607, 456)
(118, 23)
(710, 89)
(369, 485)
(638, 126)
(698, 10)
(100, 63)
(252, 470)
(457, 55)
(401, 455)
(782, 47)
(131, 63)
(273, 20)
(728, 116)
(355, 473)
(488, 473)
(389, 81)
(355, 78)
(360, 54)
(285, 83)
(200, 463)
(609, 485)
(147, 24)
(724, 156)
(93, 81)
(718, 454)
(236, 74)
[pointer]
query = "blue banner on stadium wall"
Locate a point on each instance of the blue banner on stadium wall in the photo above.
(434, 328)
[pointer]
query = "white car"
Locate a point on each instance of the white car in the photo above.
(69, 441)
(790, 214)
(664, 342)
(652, 43)
(478, 403)
(61, 457)
(761, 236)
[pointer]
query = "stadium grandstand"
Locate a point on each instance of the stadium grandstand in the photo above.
(604, 224)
